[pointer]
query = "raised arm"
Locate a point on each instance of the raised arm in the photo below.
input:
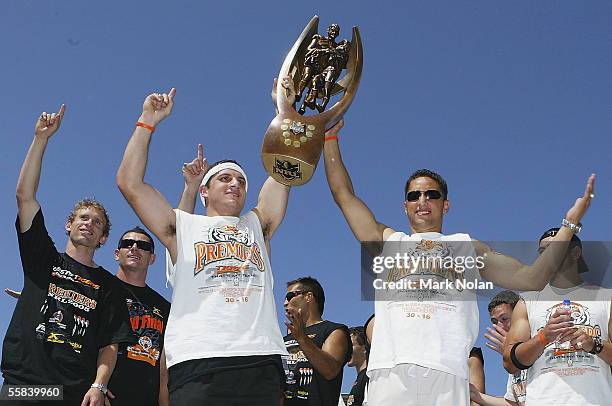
(149, 204)
(273, 196)
(27, 184)
(271, 206)
(509, 273)
(359, 217)
(193, 173)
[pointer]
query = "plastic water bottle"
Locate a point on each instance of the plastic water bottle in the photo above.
(565, 306)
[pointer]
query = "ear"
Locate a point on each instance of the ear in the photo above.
(203, 191)
(67, 226)
(116, 254)
(406, 207)
(103, 240)
(446, 206)
(575, 253)
(152, 259)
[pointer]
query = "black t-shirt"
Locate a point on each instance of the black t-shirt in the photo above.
(67, 312)
(355, 398)
(135, 380)
(305, 386)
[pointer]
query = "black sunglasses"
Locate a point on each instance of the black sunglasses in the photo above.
(430, 194)
(291, 295)
(142, 245)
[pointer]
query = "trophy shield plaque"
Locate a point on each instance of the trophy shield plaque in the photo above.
(293, 142)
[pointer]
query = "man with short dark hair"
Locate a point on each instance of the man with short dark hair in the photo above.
(562, 335)
(318, 349)
(500, 310)
(359, 360)
(223, 343)
(68, 320)
(148, 314)
(424, 334)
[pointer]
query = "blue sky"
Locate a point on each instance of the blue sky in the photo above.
(510, 101)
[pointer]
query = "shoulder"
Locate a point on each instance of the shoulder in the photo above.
(476, 352)
(159, 299)
(329, 327)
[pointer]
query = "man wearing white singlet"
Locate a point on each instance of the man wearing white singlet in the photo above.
(420, 344)
(223, 343)
(565, 347)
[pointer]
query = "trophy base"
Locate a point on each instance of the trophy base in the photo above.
(287, 169)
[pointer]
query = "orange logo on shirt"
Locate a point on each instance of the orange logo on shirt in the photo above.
(209, 253)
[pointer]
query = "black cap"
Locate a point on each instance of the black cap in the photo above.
(575, 242)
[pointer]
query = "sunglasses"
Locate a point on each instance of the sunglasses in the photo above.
(430, 194)
(291, 295)
(142, 245)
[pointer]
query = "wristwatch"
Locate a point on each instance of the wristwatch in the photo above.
(101, 387)
(597, 346)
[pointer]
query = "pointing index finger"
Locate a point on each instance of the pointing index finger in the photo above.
(60, 113)
(200, 152)
(172, 93)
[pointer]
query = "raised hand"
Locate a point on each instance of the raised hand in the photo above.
(575, 214)
(194, 171)
(497, 338)
(287, 84)
(157, 106)
(335, 130)
(295, 325)
(48, 123)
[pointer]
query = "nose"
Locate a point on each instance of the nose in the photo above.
(235, 182)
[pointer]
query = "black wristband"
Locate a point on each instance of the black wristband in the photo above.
(515, 360)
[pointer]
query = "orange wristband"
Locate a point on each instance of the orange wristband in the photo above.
(542, 338)
(147, 126)
(331, 137)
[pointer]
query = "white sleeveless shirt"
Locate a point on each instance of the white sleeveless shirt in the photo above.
(222, 299)
(432, 328)
(570, 376)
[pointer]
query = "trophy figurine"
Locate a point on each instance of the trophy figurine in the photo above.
(293, 142)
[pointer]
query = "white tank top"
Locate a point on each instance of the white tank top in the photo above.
(570, 376)
(222, 299)
(431, 328)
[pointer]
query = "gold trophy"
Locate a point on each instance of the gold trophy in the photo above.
(294, 141)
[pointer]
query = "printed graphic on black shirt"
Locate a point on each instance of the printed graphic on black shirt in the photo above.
(66, 311)
(148, 325)
(304, 384)
(299, 375)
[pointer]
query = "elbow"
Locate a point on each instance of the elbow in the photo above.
(331, 372)
(341, 195)
(539, 284)
(24, 196)
(508, 365)
(20, 195)
(125, 183)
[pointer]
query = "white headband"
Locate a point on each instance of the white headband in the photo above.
(218, 168)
